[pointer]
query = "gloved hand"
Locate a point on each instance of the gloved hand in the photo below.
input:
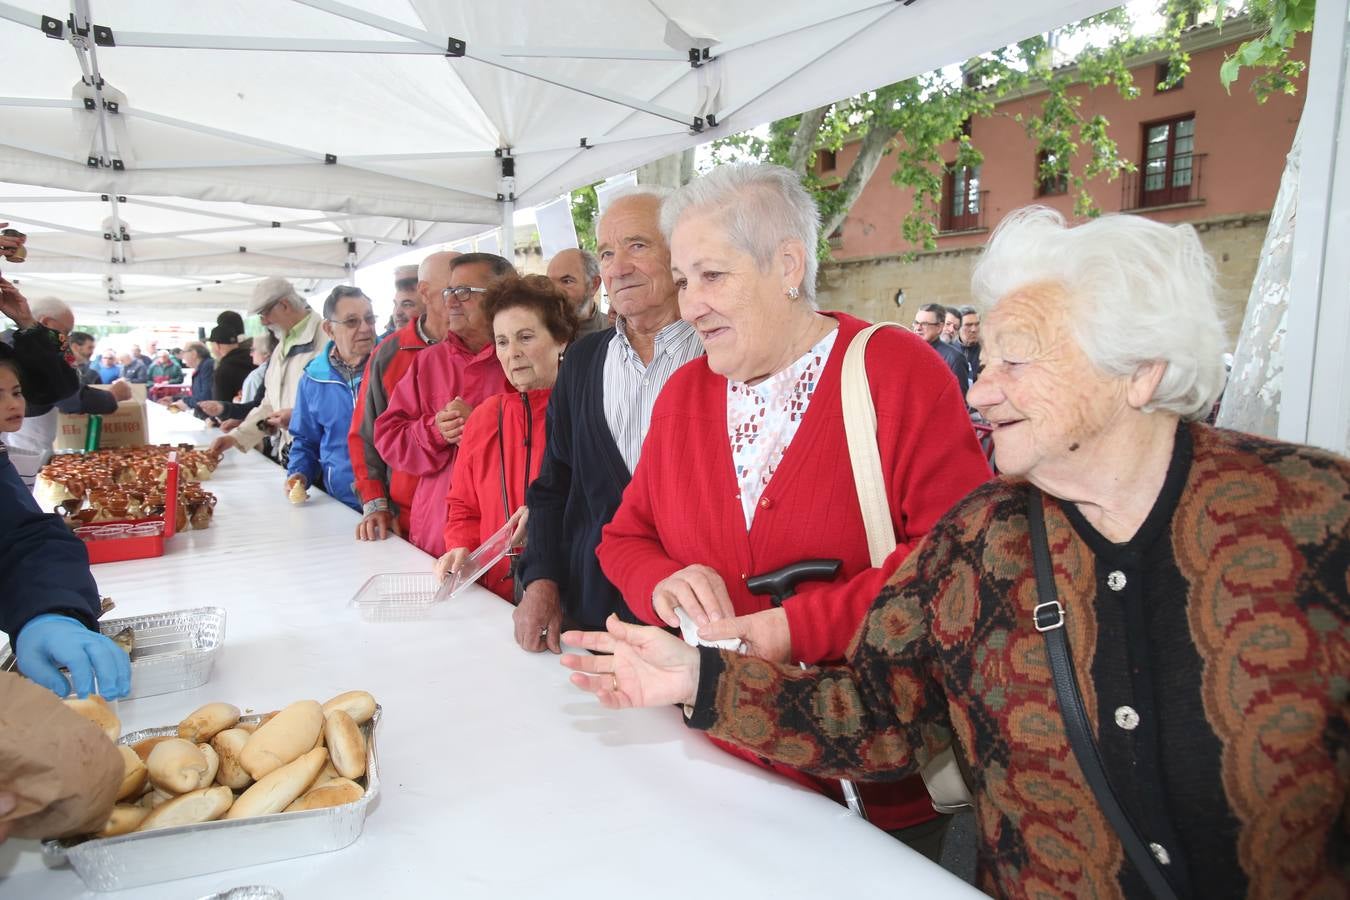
(51, 640)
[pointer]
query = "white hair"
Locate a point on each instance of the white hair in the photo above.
(49, 308)
(1143, 292)
(761, 205)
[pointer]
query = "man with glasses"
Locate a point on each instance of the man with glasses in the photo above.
(277, 307)
(386, 492)
(419, 432)
(928, 325)
(327, 396)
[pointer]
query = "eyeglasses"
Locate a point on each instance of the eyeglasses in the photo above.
(918, 324)
(462, 293)
(354, 322)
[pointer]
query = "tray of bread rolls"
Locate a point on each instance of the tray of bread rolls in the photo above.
(222, 790)
(170, 651)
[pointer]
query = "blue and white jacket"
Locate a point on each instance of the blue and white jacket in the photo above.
(319, 425)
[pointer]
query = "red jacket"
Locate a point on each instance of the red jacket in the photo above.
(376, 480)
(683, 507)
(406, 435)
(475, 501)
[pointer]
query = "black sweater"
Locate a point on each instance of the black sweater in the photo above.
(578, 490)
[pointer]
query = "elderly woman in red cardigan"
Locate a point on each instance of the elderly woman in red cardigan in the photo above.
(745, 468)
(503, 440)
(1163, 710)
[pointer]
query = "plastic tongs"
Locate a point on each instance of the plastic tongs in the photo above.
(781, 584)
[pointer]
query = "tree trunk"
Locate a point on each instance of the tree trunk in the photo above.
(871, 150)
(804, 139)
(1251, 402)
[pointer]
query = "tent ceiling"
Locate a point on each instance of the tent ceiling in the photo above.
(405, 113)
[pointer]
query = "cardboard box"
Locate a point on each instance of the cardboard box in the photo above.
(125, 428)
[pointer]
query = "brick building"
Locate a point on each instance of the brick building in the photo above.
(1204, 157)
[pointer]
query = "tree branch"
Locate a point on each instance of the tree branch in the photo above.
(804, 139)
(871, 150)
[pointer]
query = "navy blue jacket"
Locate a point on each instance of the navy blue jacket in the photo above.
(203, 386)
(43, 567)
(319, 424)
(579, 488)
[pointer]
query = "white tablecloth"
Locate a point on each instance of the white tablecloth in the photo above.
(499, 778)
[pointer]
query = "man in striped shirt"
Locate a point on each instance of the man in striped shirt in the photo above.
(598, 415)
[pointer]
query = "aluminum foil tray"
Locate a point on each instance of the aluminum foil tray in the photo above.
(135, 860)
(173, 651)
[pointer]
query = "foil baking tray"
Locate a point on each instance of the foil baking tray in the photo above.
(172, 651)
(135, 860)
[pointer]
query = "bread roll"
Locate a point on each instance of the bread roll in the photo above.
(204, 805)
(346, 745)
(228, 745)
(326, 774)
(205, 723)
(176, 766)
(360, 705)
(212, 765)
(124, 820)
(134, 773)
(96, 709)
(154, 797)
(144, 747)
(283, 739)
(279, 788)
(333, 793)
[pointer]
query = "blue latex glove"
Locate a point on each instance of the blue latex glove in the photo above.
(51, 640)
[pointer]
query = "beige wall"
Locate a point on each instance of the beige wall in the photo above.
(866, 287)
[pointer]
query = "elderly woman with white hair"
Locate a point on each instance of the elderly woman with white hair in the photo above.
(1138, 636)
(745, 467)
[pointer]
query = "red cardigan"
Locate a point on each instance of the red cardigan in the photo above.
(475, 498)
(683, 506)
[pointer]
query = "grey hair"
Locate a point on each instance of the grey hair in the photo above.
(198, 348)
(760, 205)
(1144, 292)
(49, 308)
(590, 266)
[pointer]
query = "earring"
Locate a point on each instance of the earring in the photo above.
(793, 293)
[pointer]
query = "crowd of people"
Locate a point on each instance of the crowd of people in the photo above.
(675, 462)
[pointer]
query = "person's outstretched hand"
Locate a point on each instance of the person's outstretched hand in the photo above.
(646, 666)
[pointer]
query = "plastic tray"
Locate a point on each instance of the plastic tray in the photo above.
(397, 596)
(134, 860)
(173, 651)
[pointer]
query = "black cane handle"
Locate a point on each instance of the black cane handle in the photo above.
(781, 584)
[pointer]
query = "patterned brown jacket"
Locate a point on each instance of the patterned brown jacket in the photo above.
(1212, 650)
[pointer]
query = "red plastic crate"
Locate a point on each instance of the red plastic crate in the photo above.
(116, 541)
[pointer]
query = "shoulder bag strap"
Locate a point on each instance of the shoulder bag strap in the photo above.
(1049, 621)
(946, 783)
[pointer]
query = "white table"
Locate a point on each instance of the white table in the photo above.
(499, 778)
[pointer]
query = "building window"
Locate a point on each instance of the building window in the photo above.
(961, 199)
(1160, 73)
(1048, 181)
(829, 161)
(1169, 151)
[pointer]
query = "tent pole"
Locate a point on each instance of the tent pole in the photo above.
(1313, 403)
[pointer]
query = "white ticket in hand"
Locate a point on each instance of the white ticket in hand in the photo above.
(689, 630)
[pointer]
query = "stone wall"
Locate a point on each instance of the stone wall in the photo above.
(867, 287)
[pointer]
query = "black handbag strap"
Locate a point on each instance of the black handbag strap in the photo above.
(1049, 621)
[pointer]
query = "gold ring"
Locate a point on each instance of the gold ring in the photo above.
(614, 679)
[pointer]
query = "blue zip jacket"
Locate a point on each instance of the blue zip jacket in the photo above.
(319, 425)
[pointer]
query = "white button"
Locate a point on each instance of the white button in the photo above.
(1127, 718)
(1160, 854)
(1116, 580)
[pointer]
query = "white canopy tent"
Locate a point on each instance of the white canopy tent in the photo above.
(214, 142)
